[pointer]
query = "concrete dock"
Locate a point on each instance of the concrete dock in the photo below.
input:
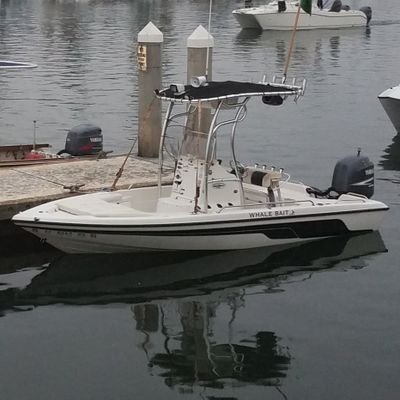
(27, 186)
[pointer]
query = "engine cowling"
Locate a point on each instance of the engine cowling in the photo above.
(368, 12)
(354, 174)
(84, 139)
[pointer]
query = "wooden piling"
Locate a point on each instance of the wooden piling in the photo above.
(149, 49)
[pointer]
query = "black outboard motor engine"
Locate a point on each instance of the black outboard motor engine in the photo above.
(82, 140)
(336, 6)
(281, 6)
(367, 10)
(354, 174)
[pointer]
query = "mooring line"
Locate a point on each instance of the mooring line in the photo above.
(71, 188)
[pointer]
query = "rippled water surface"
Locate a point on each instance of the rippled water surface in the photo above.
(317, 321)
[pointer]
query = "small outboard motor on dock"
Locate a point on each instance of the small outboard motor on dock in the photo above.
(354, 174)
(82, 140)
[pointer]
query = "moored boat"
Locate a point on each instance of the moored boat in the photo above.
(84, 141)
(210, 206)
(272, 16)
(390, 100)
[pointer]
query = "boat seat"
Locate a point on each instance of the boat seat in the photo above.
(98, 208)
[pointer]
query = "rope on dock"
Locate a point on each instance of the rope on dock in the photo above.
(71, 188)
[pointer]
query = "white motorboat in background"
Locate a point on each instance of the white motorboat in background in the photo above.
(272, 16)
(209, 206)
(390, 100)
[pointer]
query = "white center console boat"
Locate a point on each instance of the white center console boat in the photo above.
(280, 15)
(209, 206)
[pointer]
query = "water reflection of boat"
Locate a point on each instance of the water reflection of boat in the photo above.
(13, 258)
(391, 159)
(262, 360)
(148, 276)
(194, 353)
(177, 297)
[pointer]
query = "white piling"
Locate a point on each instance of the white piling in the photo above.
(200, 46)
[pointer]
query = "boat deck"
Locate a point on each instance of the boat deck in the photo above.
(28, 186)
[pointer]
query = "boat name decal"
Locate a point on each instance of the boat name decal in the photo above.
(275, 213)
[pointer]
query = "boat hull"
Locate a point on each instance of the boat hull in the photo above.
(268, 18)
(246, 18)
(200, 234)
(390, 100)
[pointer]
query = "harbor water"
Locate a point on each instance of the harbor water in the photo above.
(316, 321)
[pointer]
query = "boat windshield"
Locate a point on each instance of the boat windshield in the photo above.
(194, 143)
(203, 103)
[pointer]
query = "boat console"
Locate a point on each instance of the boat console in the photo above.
(200, 181)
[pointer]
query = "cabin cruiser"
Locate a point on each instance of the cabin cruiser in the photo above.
(390, 100)
(209, 206)
(280, 15)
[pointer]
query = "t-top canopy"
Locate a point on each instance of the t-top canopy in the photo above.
(211, 91)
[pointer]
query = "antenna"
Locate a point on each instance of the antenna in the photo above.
(34, 135)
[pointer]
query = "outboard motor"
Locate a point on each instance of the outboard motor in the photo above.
(84, 139)
(336, 6)
(281, 6)
(354, 174)
(367, 10)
